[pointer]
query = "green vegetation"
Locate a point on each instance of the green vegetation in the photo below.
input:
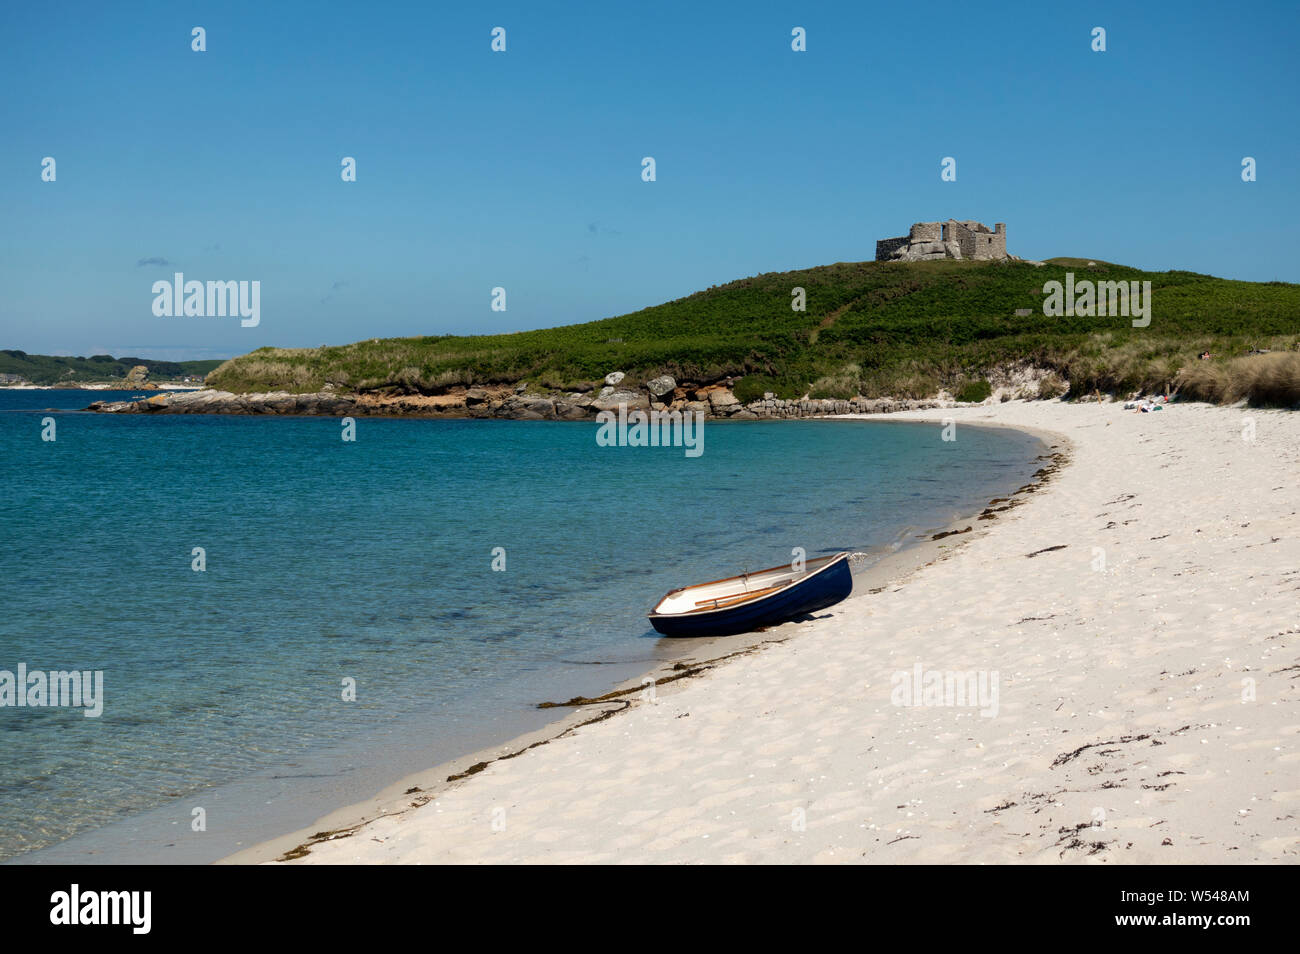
(49, 369)
(1266, 379)
(899, 329)
(974, 391)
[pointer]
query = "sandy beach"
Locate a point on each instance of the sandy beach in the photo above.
(1131, 631)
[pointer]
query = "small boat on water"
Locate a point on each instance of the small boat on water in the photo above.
(747, 602)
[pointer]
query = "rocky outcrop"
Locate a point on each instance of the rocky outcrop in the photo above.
(138, 379)
(723, 401)
(610, 398)
(224, 402)
(661, 386)
(1025, 382)
(815, 407)
(505, 401)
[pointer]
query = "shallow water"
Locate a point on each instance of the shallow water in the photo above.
(372, 561)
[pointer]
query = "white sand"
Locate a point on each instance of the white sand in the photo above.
(796, 753)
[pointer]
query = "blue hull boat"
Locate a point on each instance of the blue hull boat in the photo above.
(740, 604)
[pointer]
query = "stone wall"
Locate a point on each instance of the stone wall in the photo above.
(885, 248)
(953, 239)
(926, 232)
(979, 243)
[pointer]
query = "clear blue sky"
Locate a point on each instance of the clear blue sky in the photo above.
(523, 169)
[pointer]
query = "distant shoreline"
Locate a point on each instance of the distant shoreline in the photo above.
(716, 401)
(100, 387)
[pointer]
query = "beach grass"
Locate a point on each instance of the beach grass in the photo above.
(1262, 379)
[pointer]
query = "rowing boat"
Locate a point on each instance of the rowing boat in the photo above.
(750, 601)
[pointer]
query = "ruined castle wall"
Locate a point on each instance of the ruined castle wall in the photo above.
(925, 232)
(988, 246)
(961, 236)
(950, 239)
(885, 248)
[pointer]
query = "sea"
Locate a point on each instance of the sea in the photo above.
(285, 622)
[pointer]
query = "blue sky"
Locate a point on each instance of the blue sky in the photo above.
(523, 169)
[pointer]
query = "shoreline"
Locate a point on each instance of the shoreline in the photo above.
(419, 788)
(1141, 617)
(337, 777)
(714, 401)
(101, 387)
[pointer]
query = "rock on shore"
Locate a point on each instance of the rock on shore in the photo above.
(503, 401)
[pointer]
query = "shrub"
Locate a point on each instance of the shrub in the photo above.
(973, 392)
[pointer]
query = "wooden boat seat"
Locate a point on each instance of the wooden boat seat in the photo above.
(720, 602)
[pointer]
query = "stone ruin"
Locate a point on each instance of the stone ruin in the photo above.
(927, 241)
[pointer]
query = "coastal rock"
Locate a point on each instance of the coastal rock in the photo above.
(137, 376)
(115, 407)
(614, 377)
(714, 401)
(209, 401)
(610, 398)
(278, 402)
(540, 406)
(525, 407)
(664, 384)
(566, 411)
(722, 399)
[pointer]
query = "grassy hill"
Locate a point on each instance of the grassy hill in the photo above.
(52, 369)
(875, 329)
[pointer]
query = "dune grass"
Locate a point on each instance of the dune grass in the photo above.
(1266, 380)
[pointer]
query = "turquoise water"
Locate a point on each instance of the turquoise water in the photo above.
(372, 560)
